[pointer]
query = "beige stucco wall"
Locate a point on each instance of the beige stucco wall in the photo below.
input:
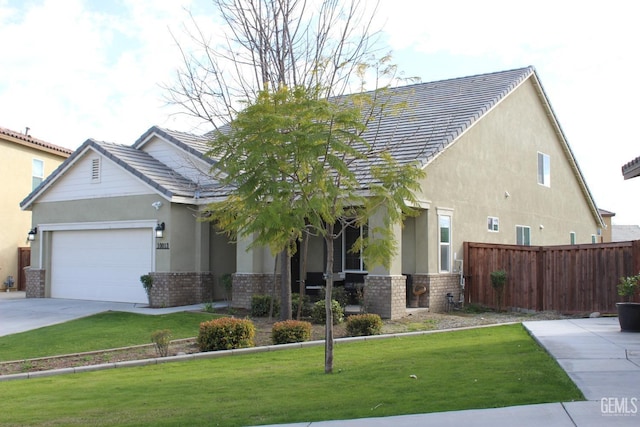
(16, 173)
(189, 239)
(499, 156)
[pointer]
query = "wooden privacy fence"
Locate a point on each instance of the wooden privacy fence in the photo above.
(566, 279)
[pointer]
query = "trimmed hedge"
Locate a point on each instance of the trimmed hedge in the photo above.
(290, 331)
(260, 305)
(364, 324)
(319, 315)
(226, 333)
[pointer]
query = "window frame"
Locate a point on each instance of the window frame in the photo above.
(34, 176)
(445, 245)
(364, 229)
(493, 224)
(524, 240)
(544, 169)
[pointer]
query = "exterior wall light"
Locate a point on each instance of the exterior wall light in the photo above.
(31, 235)
(160, 230)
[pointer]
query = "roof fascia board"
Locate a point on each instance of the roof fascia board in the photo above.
(55, 175)
(567, 149)
(155, 131)
(89, 145)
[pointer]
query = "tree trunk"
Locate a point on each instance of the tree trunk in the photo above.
(303, 274)
(328, 341)
(285, 285)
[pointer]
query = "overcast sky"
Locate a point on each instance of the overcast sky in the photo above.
(72, 69)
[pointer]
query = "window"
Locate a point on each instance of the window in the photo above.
(353, 261)
(572, 237)
(544, 170)
(523, 235)
(594, 239)
(95, 170)
(492, 224)
(444, 222)
(37, 173)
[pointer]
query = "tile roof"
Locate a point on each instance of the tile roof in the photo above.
(62, 151)
(631, 169)
(437, 114)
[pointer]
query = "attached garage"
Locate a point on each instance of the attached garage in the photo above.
(101, 265)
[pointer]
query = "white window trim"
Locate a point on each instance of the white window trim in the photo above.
(491, 224)
(33, 175)
(448, 213)
(545, 182)
(523, 226)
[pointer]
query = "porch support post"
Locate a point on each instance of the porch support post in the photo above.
(385, 291)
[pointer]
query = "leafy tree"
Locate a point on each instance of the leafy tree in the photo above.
(289, 140)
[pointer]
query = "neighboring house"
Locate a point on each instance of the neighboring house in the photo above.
(631, 169)
(625, 233)
(498, 170)
(607, 232)
(24, 163)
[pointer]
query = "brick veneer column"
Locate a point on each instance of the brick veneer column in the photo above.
(386, 296)
(439, 286)
(176, 289)
(35, 286)
(245, 285)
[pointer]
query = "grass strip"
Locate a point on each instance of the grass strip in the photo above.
(480, 368)
(98, 332)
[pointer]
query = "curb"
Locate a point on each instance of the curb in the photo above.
(226, 353)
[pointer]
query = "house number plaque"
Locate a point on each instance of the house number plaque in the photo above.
(162, 245)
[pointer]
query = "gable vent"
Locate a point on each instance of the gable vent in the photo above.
(95, 170)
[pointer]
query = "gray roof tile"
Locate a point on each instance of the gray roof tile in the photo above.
(437, 114)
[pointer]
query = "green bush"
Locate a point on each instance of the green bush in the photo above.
(306, 306)
(363, 325)
(162, 339)
(226, 333)
(338, 294)
(318, 314)
(289, 331)
(261, 304)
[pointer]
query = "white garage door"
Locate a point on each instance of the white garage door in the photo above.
(102, 265)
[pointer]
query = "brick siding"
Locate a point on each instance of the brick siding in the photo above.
(176, 289)
(386, 296)
(35, 286)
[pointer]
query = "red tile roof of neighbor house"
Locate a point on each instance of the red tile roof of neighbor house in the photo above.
(38, 143)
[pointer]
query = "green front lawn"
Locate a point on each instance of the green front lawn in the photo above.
(98, 332)
(480, 368)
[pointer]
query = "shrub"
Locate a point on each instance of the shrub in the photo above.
(306, 306)
(498, 280)
(364, 324)
(147, 283)
(162, 339)
(318, 314)
(338, 294)
(290, 331)
(261, 304)
(226, 333)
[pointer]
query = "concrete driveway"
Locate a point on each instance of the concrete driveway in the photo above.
(19, 314)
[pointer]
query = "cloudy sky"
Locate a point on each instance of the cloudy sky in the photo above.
(77, 69)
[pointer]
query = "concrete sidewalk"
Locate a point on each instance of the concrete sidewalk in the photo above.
(602, 361)
(19, 314)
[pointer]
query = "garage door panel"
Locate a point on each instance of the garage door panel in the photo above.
(103, 265)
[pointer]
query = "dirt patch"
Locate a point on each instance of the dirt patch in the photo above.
(415, 321)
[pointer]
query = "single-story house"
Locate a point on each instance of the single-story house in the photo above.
(498, 170)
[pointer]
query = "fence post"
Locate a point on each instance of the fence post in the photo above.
(635, 250)
(540, 281)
